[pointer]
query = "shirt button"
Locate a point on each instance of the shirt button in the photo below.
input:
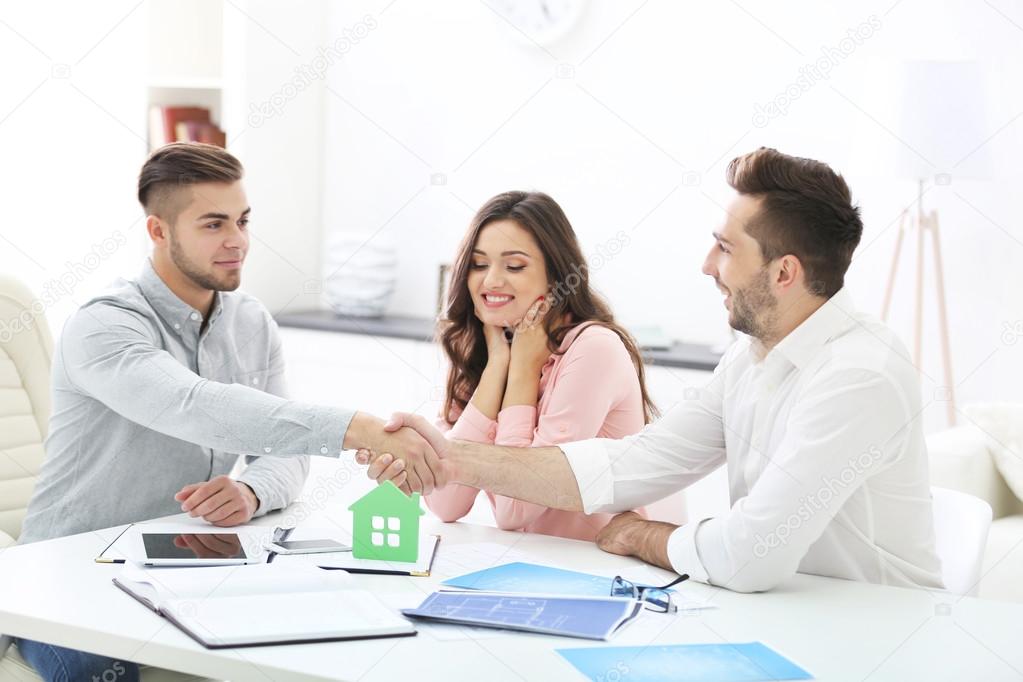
(324, 450)
(177, 326)
(267, 449)
(563, 428)
(492, 433)
(194, 316)
(255, 380)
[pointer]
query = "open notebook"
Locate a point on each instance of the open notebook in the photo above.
(229, 606)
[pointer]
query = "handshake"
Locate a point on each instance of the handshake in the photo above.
(406, 450)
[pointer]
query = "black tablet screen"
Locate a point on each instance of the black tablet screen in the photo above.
(193, 546)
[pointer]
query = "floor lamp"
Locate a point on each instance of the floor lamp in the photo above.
(923, 225)
(942, 118)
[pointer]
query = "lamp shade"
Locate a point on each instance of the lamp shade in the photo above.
(942, 120)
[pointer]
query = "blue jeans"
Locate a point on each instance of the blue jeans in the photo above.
(57, 664)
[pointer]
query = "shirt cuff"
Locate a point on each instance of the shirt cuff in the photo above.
(262, 493)
(473, 425)
(682, 552)
(592, 469)
(330, 440)
(515, 425)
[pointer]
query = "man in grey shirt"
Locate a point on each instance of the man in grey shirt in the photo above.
(161, 383)
(143, 389)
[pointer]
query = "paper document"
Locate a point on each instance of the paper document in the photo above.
(747, 662)
(586, 617)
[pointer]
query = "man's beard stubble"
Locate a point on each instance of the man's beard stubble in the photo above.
(201, 279)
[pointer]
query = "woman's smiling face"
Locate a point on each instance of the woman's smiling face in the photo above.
(507, 273)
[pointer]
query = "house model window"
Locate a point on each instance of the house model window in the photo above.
(392, 537)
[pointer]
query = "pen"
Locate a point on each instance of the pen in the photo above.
(107, 560)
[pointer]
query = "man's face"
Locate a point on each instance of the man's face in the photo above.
(210, 238)
(738, 268)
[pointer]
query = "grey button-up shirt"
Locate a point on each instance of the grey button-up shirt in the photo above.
(146, 400)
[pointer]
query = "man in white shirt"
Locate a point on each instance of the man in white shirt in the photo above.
(815, 413)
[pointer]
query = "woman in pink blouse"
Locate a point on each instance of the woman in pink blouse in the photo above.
(536, 355)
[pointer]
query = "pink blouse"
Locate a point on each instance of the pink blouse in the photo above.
(590, 391)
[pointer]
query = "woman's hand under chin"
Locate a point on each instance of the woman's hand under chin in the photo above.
(498, 348)
(529, 348)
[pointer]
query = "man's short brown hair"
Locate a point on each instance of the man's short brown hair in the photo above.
(805, 210)
(177, 166)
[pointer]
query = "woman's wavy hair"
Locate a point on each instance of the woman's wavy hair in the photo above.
(460, 332)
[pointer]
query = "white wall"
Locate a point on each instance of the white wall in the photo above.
(72, 135)
(265, 43)
(661, 95)
(73, 127)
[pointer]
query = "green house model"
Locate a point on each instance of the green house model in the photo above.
(386, 525)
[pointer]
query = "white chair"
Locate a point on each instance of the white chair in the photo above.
(26, 349)
(961, 524)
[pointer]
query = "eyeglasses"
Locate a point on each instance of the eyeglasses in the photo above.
(654, 598)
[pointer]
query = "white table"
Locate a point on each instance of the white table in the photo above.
(837, 630)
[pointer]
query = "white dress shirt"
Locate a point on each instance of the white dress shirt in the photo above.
(827, 467)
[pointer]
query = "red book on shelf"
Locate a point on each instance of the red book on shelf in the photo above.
(174, 115)
(211, 134)
(188, 131)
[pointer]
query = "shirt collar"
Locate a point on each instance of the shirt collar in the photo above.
(566, 342)
(826, 323)
(165, 302)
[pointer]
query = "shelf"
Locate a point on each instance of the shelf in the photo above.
(680, 355)
(186, 83)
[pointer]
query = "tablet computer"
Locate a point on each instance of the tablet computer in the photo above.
(194, 549)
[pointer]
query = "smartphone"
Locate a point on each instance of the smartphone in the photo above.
(308, 546)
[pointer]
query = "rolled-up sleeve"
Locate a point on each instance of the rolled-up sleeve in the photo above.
(156, 391)
(683, 552)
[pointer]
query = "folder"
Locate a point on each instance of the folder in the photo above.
(262, 604)
(345, 561)
(585, 617)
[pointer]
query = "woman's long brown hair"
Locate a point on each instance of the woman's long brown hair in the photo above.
(460, 332)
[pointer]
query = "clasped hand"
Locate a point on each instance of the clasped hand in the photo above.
(410, 454)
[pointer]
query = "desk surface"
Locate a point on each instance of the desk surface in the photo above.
(838, 630)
